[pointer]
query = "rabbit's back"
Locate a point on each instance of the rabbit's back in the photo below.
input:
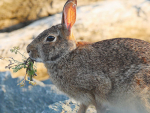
(123, 52)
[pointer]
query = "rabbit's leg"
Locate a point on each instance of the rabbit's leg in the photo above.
(82, 108)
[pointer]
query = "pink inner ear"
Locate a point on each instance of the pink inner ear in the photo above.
(69, 15)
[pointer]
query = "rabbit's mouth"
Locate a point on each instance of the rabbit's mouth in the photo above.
(36, 59)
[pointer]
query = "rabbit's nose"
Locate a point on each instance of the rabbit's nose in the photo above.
(28, 51)
(29, 48)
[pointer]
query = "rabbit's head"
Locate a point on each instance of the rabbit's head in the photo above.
(56, 41)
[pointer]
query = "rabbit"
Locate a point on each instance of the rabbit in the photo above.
(112, 72)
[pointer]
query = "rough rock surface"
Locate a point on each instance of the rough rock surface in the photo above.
(103, 20)
(13, 12)
(67, 106)
(28, 99)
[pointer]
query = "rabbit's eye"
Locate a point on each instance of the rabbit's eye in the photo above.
(50, 39)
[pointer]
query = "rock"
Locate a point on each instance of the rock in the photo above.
(67, 106)
(28, 99)
(13, 12)
(99, 21)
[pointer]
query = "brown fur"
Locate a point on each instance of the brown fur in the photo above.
(110, 72)
(79, 44)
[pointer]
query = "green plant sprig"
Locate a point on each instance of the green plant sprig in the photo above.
(27, 63)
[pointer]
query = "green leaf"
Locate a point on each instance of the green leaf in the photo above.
(26, 63)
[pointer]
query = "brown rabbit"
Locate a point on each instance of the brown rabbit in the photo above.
(108, 73)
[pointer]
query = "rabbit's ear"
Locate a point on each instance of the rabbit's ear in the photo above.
(69, 14)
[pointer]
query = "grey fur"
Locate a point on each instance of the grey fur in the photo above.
(113, 73)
